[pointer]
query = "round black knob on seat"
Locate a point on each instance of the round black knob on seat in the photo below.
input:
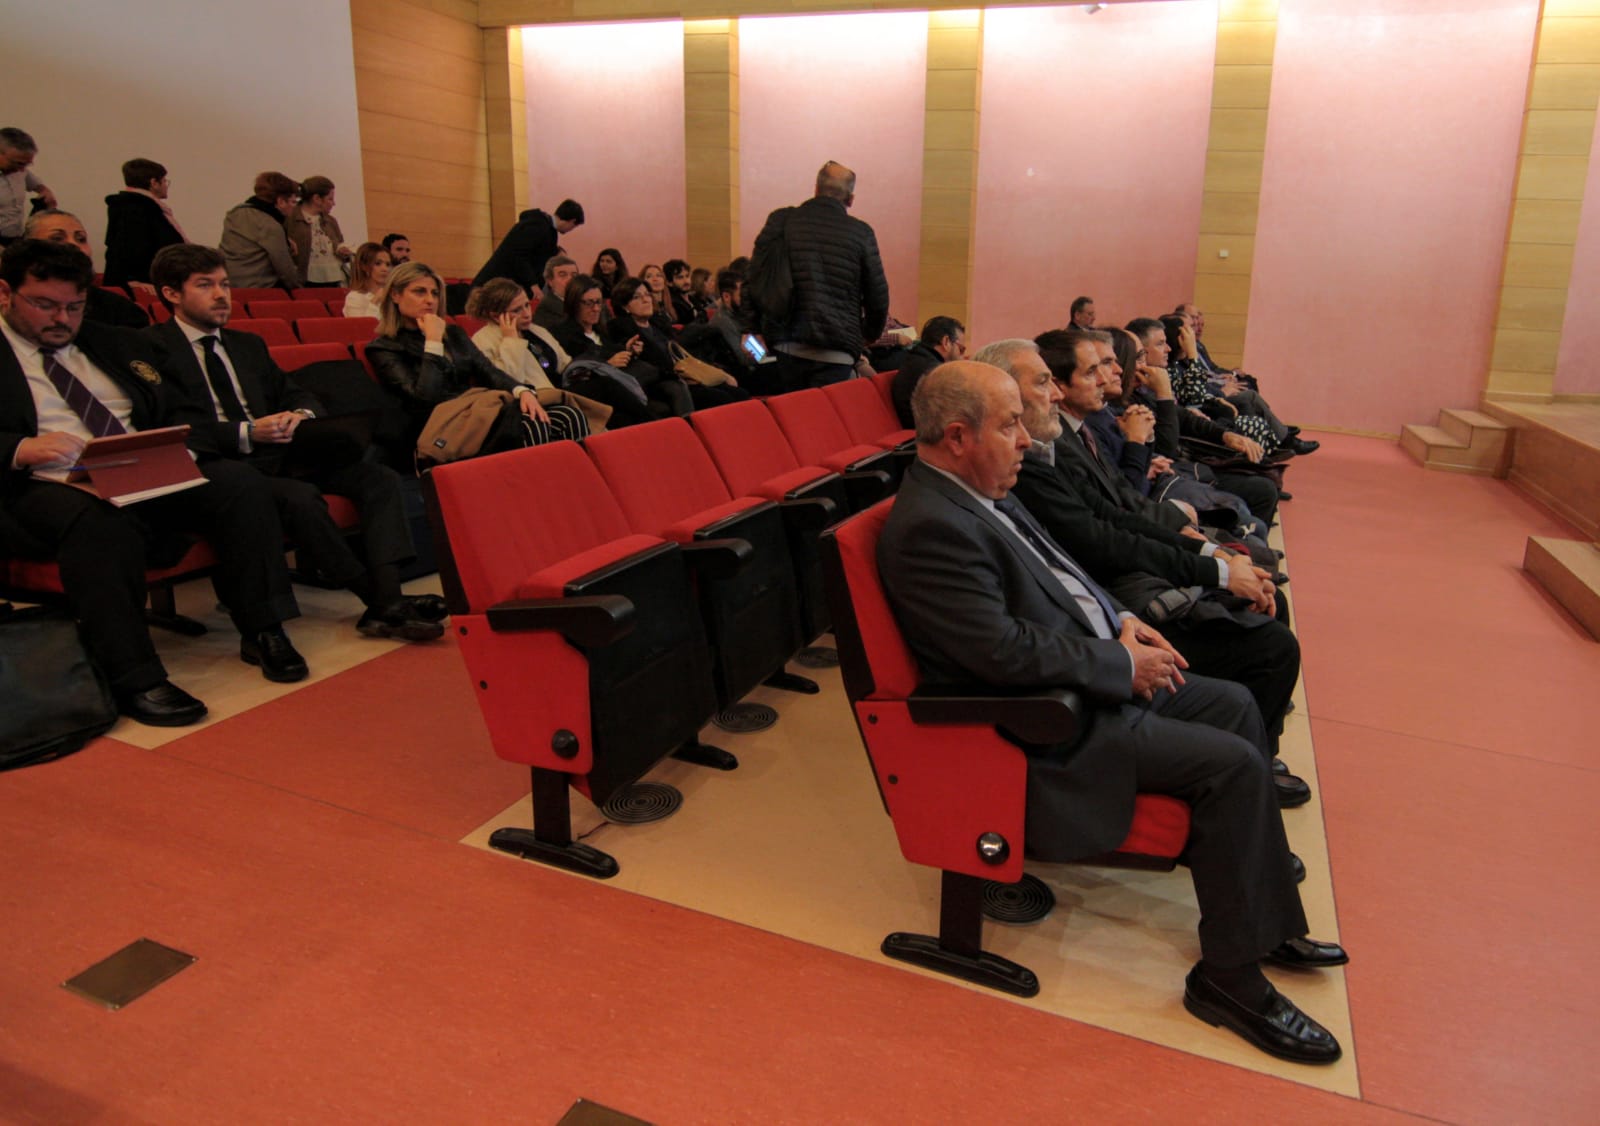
(993, 848)
(564, 743)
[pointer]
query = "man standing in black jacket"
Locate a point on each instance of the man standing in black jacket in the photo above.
(840, 297)
(522, 254)
(138, 222)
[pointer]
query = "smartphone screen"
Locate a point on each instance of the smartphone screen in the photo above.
(753, 346)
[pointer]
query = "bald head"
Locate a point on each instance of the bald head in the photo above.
(835, 181)
(969, 423)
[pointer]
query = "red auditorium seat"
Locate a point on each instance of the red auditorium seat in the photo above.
(34, 580)
(337, 330)
(738, 549)
(321, 294)
(884, 382)
(818, 437)
(159, 313)
(952, 781)
(291, 357)
(580, 637)
(469, 325)
(754, 460)
(116, 289)
(274, 332)
(255, 293)
(866, 417)
(286, 310)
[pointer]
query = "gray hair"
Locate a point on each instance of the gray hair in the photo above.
(14, 138)
(39, 217)
(1003, 354)
(943, 396)
(836, 181)
(553, 263)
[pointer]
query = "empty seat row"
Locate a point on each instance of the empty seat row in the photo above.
(567, 568)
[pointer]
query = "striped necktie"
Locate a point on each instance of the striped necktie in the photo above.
(95, 414)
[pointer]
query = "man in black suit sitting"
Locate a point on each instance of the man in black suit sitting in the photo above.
(63, 382)
(984, 595)
(254, 411)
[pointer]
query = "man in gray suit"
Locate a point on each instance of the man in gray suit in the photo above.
(984, 595)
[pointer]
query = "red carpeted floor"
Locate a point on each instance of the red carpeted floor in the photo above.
(358, 964)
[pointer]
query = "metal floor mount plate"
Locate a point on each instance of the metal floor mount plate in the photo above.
(128, 974)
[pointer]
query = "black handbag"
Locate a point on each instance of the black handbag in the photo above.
(55, 700)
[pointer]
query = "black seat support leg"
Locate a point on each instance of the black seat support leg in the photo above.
(550, 840)
(789, 682)
(958, 951)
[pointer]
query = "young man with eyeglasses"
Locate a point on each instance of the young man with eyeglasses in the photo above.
(63, 383)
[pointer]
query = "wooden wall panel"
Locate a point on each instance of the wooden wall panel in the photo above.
(1235, 150)
(1557, 129)
(951, 115)
(711, 139)
(424, 132)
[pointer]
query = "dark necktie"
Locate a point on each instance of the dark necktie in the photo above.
(95, 414)
(221, 385)
(1088, 441)
(1056, 557)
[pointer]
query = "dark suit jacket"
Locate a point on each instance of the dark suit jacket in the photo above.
(1072, 457)
(522, 254)
(267, 390)
(158, 400)
(977, 605)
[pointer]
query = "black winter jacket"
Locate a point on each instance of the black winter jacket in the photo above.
(841, 297)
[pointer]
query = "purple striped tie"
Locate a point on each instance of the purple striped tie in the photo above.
(95, 414)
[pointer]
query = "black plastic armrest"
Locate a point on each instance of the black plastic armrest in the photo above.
(1040, 718)
(712, 530)
(811, 513)
(869, 463)
(592, 621)
(867, 487)
(717, 559)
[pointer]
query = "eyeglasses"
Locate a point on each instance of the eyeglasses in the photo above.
(589, 302)
(51, 308)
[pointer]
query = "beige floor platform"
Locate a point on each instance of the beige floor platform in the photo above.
(209, 666)
(796, 842)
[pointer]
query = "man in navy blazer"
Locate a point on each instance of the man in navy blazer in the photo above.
(253, 413)
(102, 549)
(983, 595)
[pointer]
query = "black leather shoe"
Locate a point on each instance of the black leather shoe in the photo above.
(1298, 867)
(165, 705)
(1279, 766)
(1303, 445)
(273, 651)
(400, 622)
(428, 607)
(1280, 1029)
(1292, 791)
(1308, 954)
(1285, 495)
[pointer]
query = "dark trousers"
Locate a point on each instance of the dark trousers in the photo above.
(796, 374)
(1263, 657)
(625, 409)
(101, 550)
(321, 545)
(1251, 403)
(1204, 744)
(1257, 491)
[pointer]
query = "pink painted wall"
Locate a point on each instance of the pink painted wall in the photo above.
(1391, 153)
(605, 127)
(848, 88)
(1093, 139)
(1578, 366)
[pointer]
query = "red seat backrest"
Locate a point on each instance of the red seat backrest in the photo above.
(321, 294)
(516, 513)
(286, 310)
(257, 293)
(659, 473)
(274, 332)
(891, 670)
(291, 357)
(861, 408)
(810, 424)
(745, 444)
(337, 330)
(469, 325)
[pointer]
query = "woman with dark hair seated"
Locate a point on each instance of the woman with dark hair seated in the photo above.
(424, 361)
(634, 307)
(1189, 386)
(580, 335)
(609, 269)
(529, 354)
(703, 292)
(656, 278)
